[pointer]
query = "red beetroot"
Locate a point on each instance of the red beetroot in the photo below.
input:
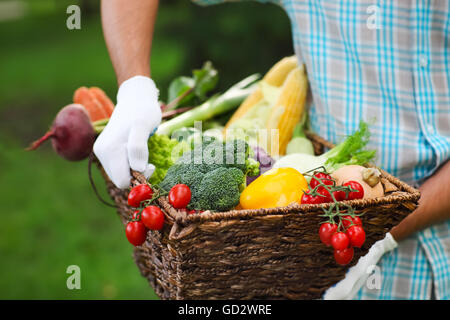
(72, 133)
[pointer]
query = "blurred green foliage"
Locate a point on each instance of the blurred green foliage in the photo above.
(50, 217)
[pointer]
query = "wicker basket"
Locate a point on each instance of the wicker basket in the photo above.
(255, 254)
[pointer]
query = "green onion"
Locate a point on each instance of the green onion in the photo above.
(216, 105)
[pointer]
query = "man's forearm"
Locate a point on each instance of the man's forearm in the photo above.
(128, 30)
(434, 205)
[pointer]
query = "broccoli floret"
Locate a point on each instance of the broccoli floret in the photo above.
(205, 157)
(219, 190)
(191, 177)
(181, 173)
(172, 177)
(251, 167)
(215, 172)
(240, 154)
(239, 177)
(236, 153)
(163, 152)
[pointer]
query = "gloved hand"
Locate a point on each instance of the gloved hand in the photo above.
(357, 275)
(123, 143)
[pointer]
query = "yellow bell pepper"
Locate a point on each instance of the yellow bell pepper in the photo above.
(277, 187)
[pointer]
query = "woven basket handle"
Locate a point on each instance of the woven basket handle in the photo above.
(91, 159)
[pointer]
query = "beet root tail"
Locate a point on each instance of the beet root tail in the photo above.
(36, 144)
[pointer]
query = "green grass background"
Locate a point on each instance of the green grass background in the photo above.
(50, 217)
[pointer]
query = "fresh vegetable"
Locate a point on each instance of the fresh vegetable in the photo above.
(339, 195)
(138, 194)
(212, 107)
(265, 162)
(343, 229)
(104, 100)
(355, 173)
(371, 176)
(267, 117)
(318, 177)
(135, 215)
(357, 221)
(308, 198)
(344, 256)
(348, 221)
(339, 241)
(185, 91)
(275, 188)
(179, 196)
(326, 231)
(299, 142)
(251, 127)
(350, 151)
(152, 217)
(324, 194)
(136, 232)
(189, 135)
(356, 235)
(275, 77)
(95, 101)
(163, 152)
(192, 136)
(358, 194)
(75, 126)
(322, 189)
(287, 111)
(215, 173)
(321, 195)
(219, 189)
(72, 133)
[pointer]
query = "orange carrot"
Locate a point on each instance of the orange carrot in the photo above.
(94, 108)
(104, 100)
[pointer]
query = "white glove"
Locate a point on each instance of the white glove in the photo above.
(123, 143)
(357, 275)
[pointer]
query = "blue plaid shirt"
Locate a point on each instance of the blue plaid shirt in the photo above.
(389, 62)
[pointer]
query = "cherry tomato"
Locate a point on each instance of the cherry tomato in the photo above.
(340, 241)
(192, 211)
(326, 179)
(307, 198)
(134, 215)
(357, 221)
(339, 195)
(153, 218)
(326, 230)
(136, 232)
(347, 221)
(326, 195)
(356, 186)
(343, 256)
(180, 196)
(138, 194)
(356, 235)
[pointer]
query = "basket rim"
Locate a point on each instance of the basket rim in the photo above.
(406, 194)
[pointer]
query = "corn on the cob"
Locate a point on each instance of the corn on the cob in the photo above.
(278, 73)
(286, 113)
(274, 77)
